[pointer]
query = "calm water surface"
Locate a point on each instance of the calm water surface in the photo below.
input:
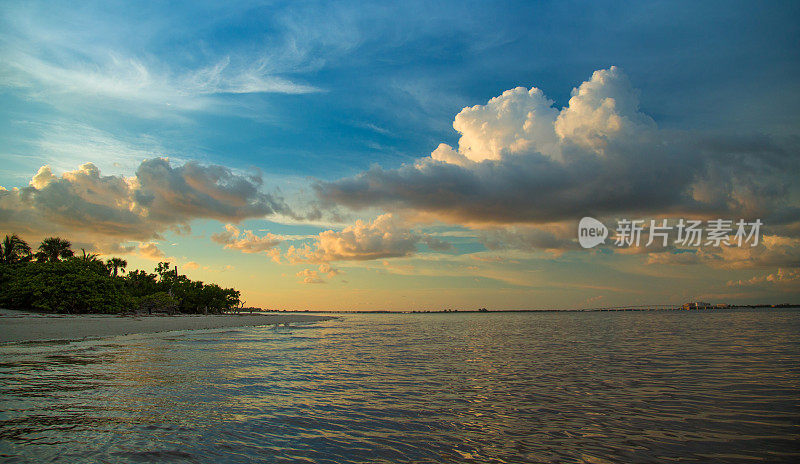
(483, 388)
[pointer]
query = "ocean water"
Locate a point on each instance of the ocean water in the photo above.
(426, 388)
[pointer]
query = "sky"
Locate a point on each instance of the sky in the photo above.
(410, 156)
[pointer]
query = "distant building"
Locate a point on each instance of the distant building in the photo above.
(697, 305)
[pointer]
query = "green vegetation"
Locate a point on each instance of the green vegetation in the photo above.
(53, 249)
(55, 280)
(15, 250)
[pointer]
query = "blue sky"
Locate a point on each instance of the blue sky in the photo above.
(302, 92)
(383, 82)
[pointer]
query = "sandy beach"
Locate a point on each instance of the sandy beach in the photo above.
(19, 326)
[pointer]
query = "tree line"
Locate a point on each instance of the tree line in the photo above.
(53, 278)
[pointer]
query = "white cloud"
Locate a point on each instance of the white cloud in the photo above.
(783, 277)
(157, 198)
(772, 251)
(310, 276)
(385, 237)
(151, 251)
(518, 121)
(603, 108)
(524, 121)
(521, 161)
(223, 77)
(53, 61)
(64, 144)
(329, 270)
(246, 241)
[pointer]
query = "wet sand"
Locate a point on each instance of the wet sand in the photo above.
(19, 326)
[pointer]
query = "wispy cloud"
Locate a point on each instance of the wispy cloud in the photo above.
(111, 75)
(64, 144)
(57, 63)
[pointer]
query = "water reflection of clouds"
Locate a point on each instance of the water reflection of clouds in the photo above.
(424, 387)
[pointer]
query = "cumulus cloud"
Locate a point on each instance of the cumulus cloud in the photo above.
(521, 161)
(773, 251)
(385, 237)
(601, 110)
(518, 121)
(246, 241)
(191, 265)
(151, 251)
(781, 277)
(310, 276)
(115, 248)
(328, 270)
(194, 191)
(157, 198)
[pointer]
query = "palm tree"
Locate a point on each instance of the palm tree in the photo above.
(52, 249)
(89, 257)
(116, 264)
(14, 249)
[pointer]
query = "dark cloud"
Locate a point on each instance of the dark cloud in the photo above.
(528, 239)
(193, 191)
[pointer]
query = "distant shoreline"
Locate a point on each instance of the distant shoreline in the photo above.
(469, 311)
(29, 326)
(20, 326)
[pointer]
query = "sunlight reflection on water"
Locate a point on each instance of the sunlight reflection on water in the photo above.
(488, 388)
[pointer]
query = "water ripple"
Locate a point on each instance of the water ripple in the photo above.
(483, 388)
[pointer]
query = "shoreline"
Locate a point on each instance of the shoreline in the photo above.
(566, 310)
(21, 326)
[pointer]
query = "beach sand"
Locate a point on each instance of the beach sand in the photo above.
(19, 326)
